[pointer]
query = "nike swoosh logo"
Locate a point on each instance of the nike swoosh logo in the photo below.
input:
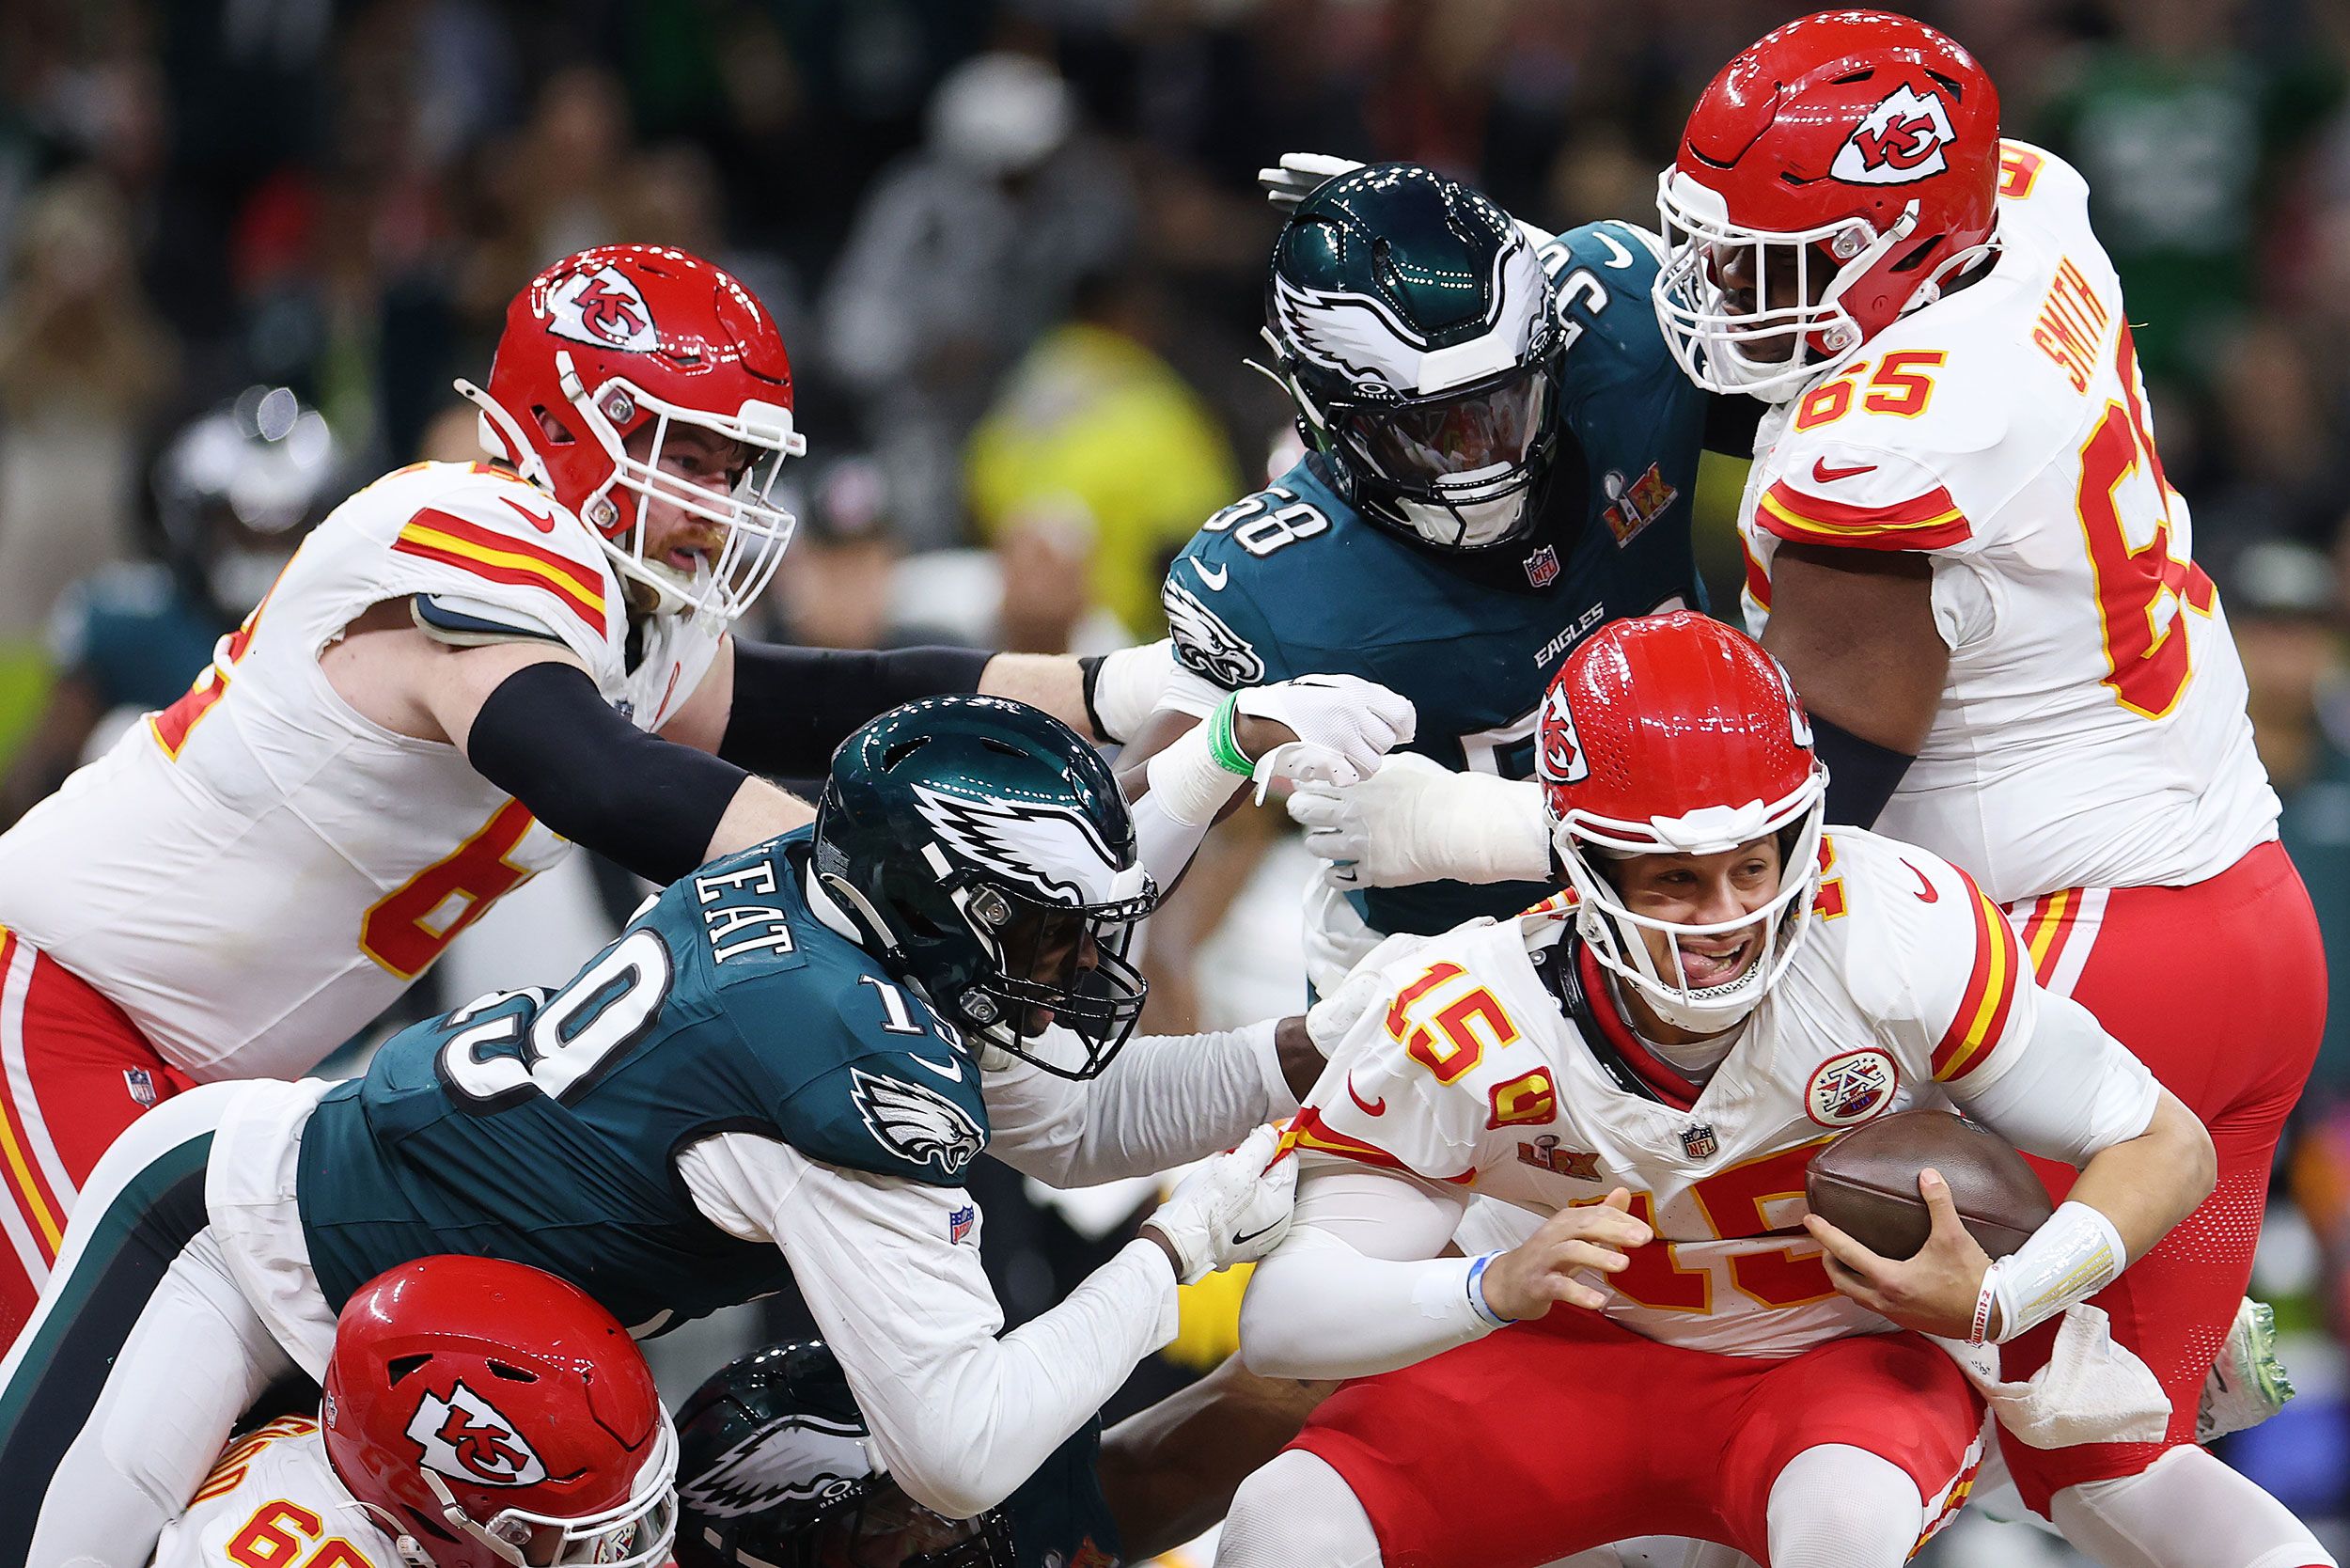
(1215, 579)
(1244, 1240)
(1925, 890)
(951, 1071)
(1619, 258)
(1368, 1107)
(543, 522)
(1822, 472)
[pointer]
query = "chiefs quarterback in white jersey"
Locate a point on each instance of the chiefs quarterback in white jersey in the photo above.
(1726, 986)
(1960, 540)
(464, 669)
(478, 1414)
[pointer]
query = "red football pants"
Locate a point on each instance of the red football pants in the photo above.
(1554, 1437)
(2220, 989)
(74, 1072)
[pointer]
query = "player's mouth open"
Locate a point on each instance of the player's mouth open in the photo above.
(1705, 967)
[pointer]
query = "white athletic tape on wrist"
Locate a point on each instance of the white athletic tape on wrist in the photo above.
(2071, 1258)
(1186, 780)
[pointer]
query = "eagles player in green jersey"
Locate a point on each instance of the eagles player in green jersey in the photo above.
(757, 1085)
(1501, 456)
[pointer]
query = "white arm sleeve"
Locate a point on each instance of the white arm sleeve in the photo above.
(1356, 1287)
(2071, 1091)
(958, 1415)
(1166, 1100)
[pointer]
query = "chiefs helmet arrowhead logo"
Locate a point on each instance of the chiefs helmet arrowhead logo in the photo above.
(602, 307)
(1900, 140)
(1558, 760)
(465, 1436)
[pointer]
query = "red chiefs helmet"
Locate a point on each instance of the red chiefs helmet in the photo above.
(498, 1416)
(1676, 735)
(621, 339)
(1859, 147)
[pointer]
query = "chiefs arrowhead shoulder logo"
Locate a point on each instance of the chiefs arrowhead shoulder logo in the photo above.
(1900, 141)
(465, 1437)
(601, 307)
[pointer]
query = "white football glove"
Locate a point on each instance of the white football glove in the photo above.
(1344, 725)
(1417, 820)
(1232, 1209)
(1299, 173)
(1333, 1017)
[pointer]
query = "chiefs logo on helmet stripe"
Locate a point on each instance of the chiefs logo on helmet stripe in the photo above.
(1900, 141)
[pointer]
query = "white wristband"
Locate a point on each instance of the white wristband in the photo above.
(2071, 1258)
(1190, 786)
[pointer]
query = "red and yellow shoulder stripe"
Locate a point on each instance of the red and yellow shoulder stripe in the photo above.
(1307, 1130)
(1929, 522)
(501, 557)
(1977, 1029)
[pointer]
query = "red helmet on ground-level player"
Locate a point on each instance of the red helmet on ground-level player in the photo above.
(1676, 735)
(497, 1415)
(1860, 147)
(624, 338)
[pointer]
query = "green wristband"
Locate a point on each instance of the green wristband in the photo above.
(1222, 747)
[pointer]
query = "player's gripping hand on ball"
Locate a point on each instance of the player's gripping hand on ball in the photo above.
(1527, 1281)
(1933, 1292)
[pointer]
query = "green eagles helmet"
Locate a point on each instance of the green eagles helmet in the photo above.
(775, 1469)
(984, 853)
(1412, 325)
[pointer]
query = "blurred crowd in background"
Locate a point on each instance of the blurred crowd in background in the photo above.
(1017, 251)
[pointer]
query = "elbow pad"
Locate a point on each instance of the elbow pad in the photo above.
(547, 737)
(794, 706)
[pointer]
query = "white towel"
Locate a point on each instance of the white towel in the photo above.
(2092, 1390)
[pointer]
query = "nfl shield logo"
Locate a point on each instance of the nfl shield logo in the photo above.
(960, 1222)
(1698, 1142)
(1542, 567)
(141, 1084)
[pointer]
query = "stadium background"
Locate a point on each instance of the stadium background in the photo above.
(1017, 251)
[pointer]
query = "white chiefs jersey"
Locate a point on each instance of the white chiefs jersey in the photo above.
(274, 1498)
(1910, 989)
(2091, 730)
(257, 871)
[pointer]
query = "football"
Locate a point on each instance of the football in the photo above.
(1865, 1183)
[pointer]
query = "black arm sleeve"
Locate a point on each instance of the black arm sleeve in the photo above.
(547, 737)
(1861, 774)
(793, 705)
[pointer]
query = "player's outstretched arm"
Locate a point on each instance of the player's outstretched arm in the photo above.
(530, 720)
(779, 710)
(1358, 1288)
(1166, 1100)
(1416, 821)
(961, 1417)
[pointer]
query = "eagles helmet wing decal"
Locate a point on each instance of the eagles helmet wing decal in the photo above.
(1047, 848)
(1354, 333)
(1205, 642)
(802, 1458)
(465, 1437)
(915, 1124)
(1362, 339)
